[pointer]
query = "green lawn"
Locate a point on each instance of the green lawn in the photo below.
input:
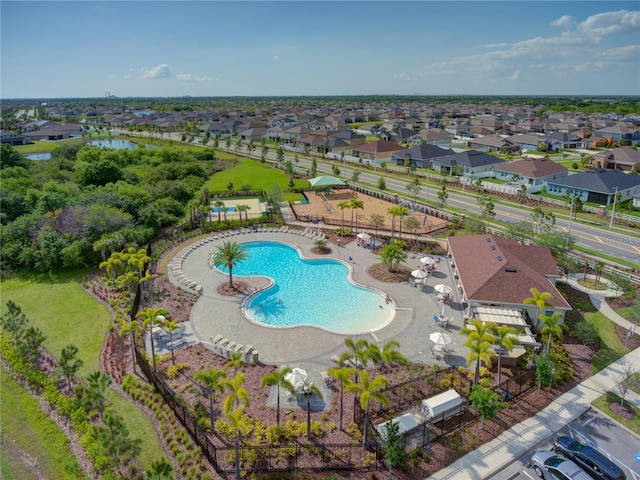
(68, 315)
(38, 146)
(611, 348)
(63, 311)
(25, 428)
(602, 403)
(261, 176)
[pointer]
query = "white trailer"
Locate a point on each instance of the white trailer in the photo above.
(443, 406)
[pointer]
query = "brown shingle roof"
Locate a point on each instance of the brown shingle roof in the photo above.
(379, 146)
(501, 270)
(533, 167)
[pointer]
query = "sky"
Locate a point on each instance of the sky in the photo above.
(55, 49)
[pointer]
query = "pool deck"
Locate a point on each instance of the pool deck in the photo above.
(308, 347)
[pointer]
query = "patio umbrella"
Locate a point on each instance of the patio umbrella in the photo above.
(427, 260)
(419, 274)
(440, 338)
(442, 288)
(297, 377)
(363, 236)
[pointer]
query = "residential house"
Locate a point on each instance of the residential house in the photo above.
(532, 172)
(567, 140)
(623, 158)
(498, 273)
(621, 131)
(352, 138)
(13, 138)
(420, 156)
(253, 134)
(433, 136)
(535, 143)
(377, 151)
(598, 185)
(492, 143)
(467, 163)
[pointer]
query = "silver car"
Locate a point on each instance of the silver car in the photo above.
(552, 467)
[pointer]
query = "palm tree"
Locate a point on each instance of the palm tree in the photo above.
(341, 206)
(342, 375)
(390, 355)
(171, 326)
(358, 351)
(396, 211)
(552, 327)
(479, 341)
(229, 255)
(219, 204)
(213, 382)
(504, 337)
(240, 423)
(309, 389)
(243, 208)
(236, 361)
(237, 393)
(131, 328)
(368, 390)
(598, 268)
(540, 300)
(355, 204)
(278, 378)
(150, 318)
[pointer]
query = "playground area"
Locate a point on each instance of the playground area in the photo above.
(323, 207)
(228, 209)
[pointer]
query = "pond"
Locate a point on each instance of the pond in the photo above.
(115, 144)
(38, 156)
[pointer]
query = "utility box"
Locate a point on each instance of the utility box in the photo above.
(443, 406)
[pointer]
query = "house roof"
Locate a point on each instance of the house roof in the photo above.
(469, 158)
(501, 270)
(423, 152)
(622, 155)
(600, 180)
(532, 167)
(379, 146)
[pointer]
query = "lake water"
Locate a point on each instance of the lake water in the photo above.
(38, 156)
(115, 144)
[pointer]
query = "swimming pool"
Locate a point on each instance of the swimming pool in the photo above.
(309, 292)
(229, 209)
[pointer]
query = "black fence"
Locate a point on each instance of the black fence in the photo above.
(263, 458)
(408, 396)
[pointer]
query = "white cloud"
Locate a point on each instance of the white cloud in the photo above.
(276, 57)
(515, 76)
(564, 21)
(608, 23)
(159, 71)
(164, 71)
(403, 76)
(629, 52)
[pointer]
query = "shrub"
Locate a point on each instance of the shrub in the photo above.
(586, 332)
(174, 370)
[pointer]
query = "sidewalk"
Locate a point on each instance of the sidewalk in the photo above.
(492, 457)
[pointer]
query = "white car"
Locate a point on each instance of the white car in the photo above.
(548, 465)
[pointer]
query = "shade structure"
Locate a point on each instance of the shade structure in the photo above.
(427, 260)
(442, 288)
(325, 181)
(298, 378)
(363, 236)
(440, 338)
(419, 274)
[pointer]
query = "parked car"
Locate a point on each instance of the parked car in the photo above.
(550, 466)
(589, 459)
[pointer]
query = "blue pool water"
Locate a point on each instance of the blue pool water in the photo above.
(309, 292)
(229, 209)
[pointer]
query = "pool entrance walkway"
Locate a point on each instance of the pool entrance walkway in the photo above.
(311, 348)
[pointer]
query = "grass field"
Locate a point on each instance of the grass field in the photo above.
(25, 428)
(68, 315)
(611, 348)
(260, 176)
(602, 404)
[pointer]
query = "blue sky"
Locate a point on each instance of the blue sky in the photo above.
(214, 48)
